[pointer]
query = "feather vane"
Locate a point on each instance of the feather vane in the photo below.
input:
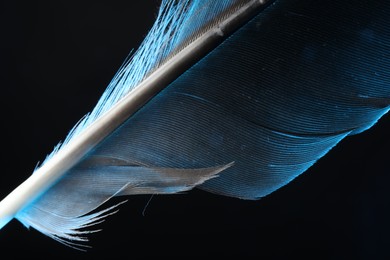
(237, 98)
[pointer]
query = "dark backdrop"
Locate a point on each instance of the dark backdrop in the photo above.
(57, 57)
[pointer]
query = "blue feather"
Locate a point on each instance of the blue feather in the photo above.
(258, 110)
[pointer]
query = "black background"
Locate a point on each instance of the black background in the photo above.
(56, 58)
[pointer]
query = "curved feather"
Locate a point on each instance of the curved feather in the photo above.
(273, 98)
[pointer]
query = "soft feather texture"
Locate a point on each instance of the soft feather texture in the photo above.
(273, 99)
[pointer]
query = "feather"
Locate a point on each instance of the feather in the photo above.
(233, 97)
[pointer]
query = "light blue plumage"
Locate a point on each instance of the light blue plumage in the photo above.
(262, 104)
